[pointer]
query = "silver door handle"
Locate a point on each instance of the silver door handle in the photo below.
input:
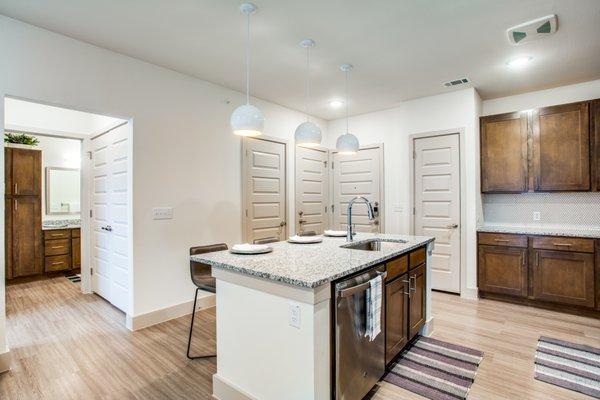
(282, 223)
(107, 228)
(452, 226)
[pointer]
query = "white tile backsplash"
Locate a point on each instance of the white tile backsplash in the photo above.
(568, 208)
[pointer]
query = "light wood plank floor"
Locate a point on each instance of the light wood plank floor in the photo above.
(66, 345)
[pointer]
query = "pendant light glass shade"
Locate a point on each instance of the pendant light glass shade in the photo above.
(347, 143)
(308, 134)
(247, 120)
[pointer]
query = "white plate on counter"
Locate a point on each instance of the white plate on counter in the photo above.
(305, 239)
(247, 248)
(335, 233)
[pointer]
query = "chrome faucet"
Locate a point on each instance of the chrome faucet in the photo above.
(370, 214)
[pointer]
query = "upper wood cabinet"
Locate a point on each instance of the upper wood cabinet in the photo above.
(504, 153)
(561, 147)
(547, 149)
(595, 143)
(23, 172)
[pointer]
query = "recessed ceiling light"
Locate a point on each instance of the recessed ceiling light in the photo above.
(519, 62)
(336, 103)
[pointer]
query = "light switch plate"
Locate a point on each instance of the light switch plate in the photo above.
(295, 315)
(162, 213)
(537, 215)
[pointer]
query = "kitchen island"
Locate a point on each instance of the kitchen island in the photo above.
(275, 314)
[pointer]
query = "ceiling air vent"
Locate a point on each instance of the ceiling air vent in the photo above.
(457, 82)
(532, 30)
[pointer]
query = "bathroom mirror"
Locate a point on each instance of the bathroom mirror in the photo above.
(63, 190)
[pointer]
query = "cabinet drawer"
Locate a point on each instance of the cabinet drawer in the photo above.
(57, 247)
(502, 239)
(76, 233)
(58, 263)
(57, 234)
(417, 257)
(396, 268)
(563, 243)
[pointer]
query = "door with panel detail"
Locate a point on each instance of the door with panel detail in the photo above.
(437, 205)
(312, 190)
(265, 189)
(354, 175)
(110, 220)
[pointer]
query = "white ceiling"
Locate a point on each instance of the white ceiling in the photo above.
(401, 49)
(22, 115)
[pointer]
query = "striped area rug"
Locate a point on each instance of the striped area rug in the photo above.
(568, 365)
(435, 369)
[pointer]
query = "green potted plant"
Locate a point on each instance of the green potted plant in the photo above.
(20, 140)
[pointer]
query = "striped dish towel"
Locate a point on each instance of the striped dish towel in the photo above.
(374, 308)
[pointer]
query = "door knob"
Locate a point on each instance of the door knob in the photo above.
(107, 228)
(282, 223)
(452, 226)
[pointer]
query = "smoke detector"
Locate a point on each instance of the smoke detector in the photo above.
(457, 82)
(532, 30)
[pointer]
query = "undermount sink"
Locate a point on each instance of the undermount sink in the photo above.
(374, 244)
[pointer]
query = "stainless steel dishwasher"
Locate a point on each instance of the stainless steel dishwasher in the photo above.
(359, 362)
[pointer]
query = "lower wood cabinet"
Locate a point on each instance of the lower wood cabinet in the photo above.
(503, 270)
(396, 316)
(564, 277)
(416, 309)
(540, 270)
(62, 249)
(23, 237)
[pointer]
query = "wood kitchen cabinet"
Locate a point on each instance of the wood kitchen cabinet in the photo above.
(396, 316)
(504, 166)
(595, 144)
(564, 277)
(62, 249)
(24, 245)
(22, 172)
(561, 147)
(416, 309)
(503, 270)
(76, 248)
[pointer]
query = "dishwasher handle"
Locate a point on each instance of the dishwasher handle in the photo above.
(359, 288)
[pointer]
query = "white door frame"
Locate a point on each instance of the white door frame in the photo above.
(329, 185)
(463, 213)
(382, 203)
(244, 179)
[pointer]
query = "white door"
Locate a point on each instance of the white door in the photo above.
(437, 205)
(359, 174)
(312, 189)
(265, 189)
(109, 221)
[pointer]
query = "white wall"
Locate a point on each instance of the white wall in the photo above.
(184, 154)
(392, 127)
(58, 152)
(542, 98)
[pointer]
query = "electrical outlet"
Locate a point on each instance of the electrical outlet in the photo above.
(162, 213)
(537, 215)
(295, 315)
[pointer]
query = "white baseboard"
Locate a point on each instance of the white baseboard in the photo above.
(427, 329)
(5, 361)
(469, 293)
(165, 314)
(225, 390)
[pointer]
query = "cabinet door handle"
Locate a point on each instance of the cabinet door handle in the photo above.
(57, 262)
(502, 240)
(16, 188)
(407, 281)
(562, 244)
(411, 287)
(537, 259)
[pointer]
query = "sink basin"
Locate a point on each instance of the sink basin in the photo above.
(374, 244)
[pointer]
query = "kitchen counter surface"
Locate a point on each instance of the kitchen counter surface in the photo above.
(57, 227)
(312, 265)
(541, 230)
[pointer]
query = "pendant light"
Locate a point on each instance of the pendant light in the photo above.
(347, 143)
(247, 120)
(308, 133)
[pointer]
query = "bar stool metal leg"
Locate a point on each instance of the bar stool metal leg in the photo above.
(192, 330)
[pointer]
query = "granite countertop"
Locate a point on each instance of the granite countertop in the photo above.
(312, 265)
(52, 228)
(61, 224)
(572, 231)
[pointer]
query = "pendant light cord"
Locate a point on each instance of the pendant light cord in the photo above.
(307, 82)
(248, 59)
(347, 102)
